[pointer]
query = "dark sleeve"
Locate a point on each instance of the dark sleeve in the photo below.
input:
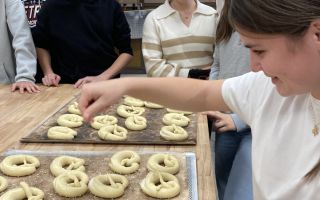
(40, 32)
(121, 31)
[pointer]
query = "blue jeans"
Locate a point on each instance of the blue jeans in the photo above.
(233, 165)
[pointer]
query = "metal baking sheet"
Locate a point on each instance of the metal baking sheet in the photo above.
(88, 135)
(97, 163)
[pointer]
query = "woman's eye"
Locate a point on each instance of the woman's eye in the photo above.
(258, 52)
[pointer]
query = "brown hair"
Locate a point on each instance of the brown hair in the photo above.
(224, 28)
(286, 17)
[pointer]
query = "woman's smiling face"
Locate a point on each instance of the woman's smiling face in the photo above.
(292, 64)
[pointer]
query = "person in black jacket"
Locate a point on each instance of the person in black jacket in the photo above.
(76, 41)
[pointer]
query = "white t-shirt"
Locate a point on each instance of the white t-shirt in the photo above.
(283, 146)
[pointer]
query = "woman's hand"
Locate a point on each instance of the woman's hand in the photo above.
(23, 86)
(51, 79)
(222, 122)
(88, 79)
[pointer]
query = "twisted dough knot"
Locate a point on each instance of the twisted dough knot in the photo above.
(173, 132)
(178, 111)
(74, 108)
(100, 121)
(136, 123)
(163, 163)
(3, 183)
(61, 133)
(108, 186)
(131, 101)
(113, 132)
(71, 184)
(19, 165)
(70, 120)
(127, 111)
(160, 185)
(64, 164)
(152, 105)
(125, 162)
(23, 192)
(175, 118)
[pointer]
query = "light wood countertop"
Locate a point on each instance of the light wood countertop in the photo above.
(20, 113)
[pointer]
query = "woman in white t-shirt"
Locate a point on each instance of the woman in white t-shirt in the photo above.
(280, 99)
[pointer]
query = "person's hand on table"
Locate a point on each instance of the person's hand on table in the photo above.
(51, 79)
(88, 79)
(221, 122)
(23, 86)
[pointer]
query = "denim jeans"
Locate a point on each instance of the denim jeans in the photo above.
(233, 166)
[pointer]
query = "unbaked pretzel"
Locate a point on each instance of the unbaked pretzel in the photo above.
(163, 163)
(175, 118)
(127, 111)
(23, 192)
(3, 183)
(160, 185)
(113, 132)
(19, 165)
(103, 120)
(136, 123)
(64, 164)
(173, 132)
(71, 184)
(178, 111)
(70, 120)
(131, 101)
(152, 105)
(108, 185)
(61, 133)
(125, 162)
(74, 108)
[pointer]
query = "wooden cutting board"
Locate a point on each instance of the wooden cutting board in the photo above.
(88, 135)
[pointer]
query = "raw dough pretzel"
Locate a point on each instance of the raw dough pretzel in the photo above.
(175, 118)
(127, 111)
(23, 192)
(173, 132)
(113, 132)
(160, 185)
(131, 101)
(74, 108)
(163, 163)
(61, 133)
(136, 123)
(64, 164)
(70, 120)
(152, 105)
(100, 121)
(71, 184)
(3, 183)
(19, 165)
(108, 185)
(179, 111)
(125, 162)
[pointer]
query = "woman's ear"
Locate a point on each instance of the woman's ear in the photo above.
(315, 26)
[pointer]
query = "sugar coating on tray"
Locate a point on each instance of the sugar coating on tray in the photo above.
(74, 108)
(127, 111)
(173, 133)
(136, 123)
(163, 163)
(160, 185)
(175, 118)
(61, 133)
(108, 185)
(19, 165)
(113, 132)
(125, 162)
(71, 184)
(64, 164)
(131, 101)
(23, 192)
(103, 120)
(70, 120)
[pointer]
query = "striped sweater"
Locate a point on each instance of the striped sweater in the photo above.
(170, 48)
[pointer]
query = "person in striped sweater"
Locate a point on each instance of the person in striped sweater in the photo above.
(178, 39)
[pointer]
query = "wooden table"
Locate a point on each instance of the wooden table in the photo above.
(19, 113)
